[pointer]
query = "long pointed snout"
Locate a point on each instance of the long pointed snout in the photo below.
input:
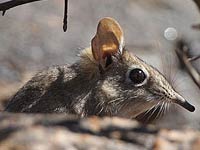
(182, 102)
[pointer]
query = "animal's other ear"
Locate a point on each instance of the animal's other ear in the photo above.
(108, 41)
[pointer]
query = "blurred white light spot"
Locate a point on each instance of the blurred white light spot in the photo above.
(170, 34)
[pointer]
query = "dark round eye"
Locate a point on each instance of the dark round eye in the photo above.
(137, 76)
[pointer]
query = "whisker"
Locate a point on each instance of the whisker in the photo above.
(122, 104)
(155, 109)
(100, 105)
(158, 114)
(160, 110)
(168, 106)
(165, 108)
(149, 110)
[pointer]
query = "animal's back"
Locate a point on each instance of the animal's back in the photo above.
(46, 92)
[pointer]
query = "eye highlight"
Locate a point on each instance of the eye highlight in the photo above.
(137, 76)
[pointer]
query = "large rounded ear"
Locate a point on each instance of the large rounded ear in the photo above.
(108, 41)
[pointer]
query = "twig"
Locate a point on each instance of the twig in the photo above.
(7, 4)
(3, 13)
(182, 51)
(65, 16)
(194, 58)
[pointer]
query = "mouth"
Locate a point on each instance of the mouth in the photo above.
(182, 102)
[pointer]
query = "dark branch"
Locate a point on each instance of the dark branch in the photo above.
(5, 5)
(182, 52)
(3, 13)
(65, 16)
(194, 58)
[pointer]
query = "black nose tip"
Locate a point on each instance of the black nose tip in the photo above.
(182, 102)
(188, 106)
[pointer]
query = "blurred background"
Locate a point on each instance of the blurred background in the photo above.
(31, 38)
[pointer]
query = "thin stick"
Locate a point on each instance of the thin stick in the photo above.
(3, 13)
(65, 16)
(184, 58)
(5, 5)
(194, 58)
